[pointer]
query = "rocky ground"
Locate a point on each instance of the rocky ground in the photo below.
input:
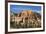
(32, 20)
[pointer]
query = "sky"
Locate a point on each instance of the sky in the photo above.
(19, 8)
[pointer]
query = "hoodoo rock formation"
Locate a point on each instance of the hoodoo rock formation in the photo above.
(27, 19)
